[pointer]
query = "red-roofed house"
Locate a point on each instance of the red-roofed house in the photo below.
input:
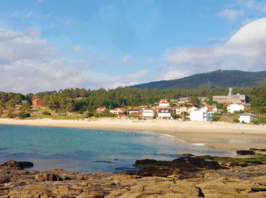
(100, 109)
(164, 103)
(33, 97)
(148, 112)
(118, 110)
(37, 102)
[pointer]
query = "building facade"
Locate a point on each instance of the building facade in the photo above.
(231, 98)
(200, 116)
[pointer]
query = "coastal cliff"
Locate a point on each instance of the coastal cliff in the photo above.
(229, 180)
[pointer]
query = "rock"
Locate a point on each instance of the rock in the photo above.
(17, 165)
(245, 152)
(177, 166)
(47, 177)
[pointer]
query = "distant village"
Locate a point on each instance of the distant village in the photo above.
(181, 108)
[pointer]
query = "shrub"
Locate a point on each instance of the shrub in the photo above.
(10, 115)
(236, 120)
(56, 110)
(105, 114)
(216, 118)
(46, 113)
(176, 116)
(62, 110)
(133, 116)
(23, 114)
(254, 121)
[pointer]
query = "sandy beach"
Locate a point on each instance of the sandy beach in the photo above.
(216, 135)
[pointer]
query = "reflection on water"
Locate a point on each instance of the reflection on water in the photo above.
(88, 150)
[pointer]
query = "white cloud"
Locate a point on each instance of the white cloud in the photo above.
(252, 4)
(29, 64)
(77, 49)
(14, 14)
(29, 14)
(230, 14)
(68, 22)
(51, 26)
(244, 51)
(126, 59)
(148, 59)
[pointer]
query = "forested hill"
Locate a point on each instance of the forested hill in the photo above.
(220, 78)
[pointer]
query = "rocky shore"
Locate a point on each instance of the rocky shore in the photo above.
(185, 177)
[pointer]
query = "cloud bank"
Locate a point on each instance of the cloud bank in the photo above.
(244, 51)
(29, 64)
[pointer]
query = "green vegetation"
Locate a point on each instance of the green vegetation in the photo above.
(176, 116)
(46, 113)
(210, 80)
(23, 114)
(216, 118)
(104, 114)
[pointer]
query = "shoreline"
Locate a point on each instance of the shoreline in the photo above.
(216, 135)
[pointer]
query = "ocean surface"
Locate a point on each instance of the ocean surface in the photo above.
(89, 150)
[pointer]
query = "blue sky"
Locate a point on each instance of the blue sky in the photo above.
(48, 45)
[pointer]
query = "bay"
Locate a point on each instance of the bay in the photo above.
(89, 150)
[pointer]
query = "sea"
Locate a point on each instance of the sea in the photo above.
(89, 150)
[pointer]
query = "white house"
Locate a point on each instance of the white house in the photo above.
(246, 117)
(200, 116)
(100, 109)
(209, 108)
(235, 107)
(164, 113)
(118, 110)
(164, 103)
(191, 109)
(148, 113)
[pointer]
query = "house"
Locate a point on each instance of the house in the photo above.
(78, 98)
(191, 109)
(136, 111)
(164, 113)
(235, 107)
(181, 109)
(148, 113)
(247, 108)
(183, 100)
(118, 110)
(34, 97)
(164, 103)
(209, 108)
(200, 116)
(121, 115)
(247, 117)
(100, 109)
(37, 102)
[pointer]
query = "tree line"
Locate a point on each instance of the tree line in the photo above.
(85, 99)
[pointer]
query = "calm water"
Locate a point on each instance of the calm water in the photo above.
(88, 150)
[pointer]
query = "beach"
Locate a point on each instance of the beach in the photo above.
(216, 135)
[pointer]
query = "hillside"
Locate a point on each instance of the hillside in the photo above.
(221, 78)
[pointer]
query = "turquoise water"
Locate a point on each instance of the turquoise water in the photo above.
(88, 150)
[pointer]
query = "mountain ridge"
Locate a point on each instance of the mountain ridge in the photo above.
(209, 80)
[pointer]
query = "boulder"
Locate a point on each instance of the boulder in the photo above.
(245, 152)
(17, 165)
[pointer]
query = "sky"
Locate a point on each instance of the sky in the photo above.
(50, 45)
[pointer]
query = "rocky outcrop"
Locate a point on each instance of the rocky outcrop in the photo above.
(245, 152)
(57, 183)
(17, 165)
(177, 166)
